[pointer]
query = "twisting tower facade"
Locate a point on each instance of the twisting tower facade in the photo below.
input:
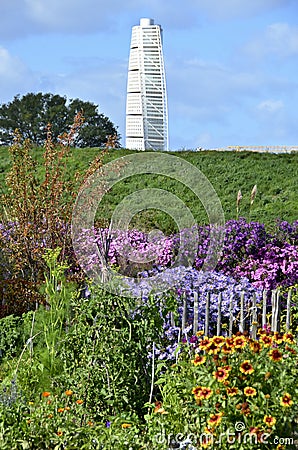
(146, 101)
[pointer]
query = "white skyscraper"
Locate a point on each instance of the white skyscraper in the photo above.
(146, 103)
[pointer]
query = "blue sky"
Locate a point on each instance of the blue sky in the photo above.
(231, 65)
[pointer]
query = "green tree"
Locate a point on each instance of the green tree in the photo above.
(96, 127)
(32, 113)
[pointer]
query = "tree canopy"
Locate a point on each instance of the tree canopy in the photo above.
(32, 113)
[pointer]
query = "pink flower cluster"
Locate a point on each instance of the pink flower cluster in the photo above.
(266, 259)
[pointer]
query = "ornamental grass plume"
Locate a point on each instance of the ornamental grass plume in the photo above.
(253, 194)
(238, 200)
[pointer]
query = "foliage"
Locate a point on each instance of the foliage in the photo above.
(10, 335)
(113, 344)
(84, 364)
(229, 393)
(96, 371)
(84, 377)
(32, 113)
(35, 216)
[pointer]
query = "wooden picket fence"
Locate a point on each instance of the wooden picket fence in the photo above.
(249, 319)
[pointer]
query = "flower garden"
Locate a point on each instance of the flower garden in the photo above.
(82, 367)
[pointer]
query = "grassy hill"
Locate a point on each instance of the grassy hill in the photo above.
(276, 177)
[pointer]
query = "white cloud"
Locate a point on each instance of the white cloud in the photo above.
(102, 82)
(211, 89)
(20, 18)
(227, 9)
(279, 39)
(271, 106)
(70, 15)
(13, 75)
(27, 17)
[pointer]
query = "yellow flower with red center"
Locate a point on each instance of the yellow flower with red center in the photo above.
(269, 420)
(159, 409)
(59, 433)
(202, 392)
(232, 391)
(266, 340)
(199, 359)
(215, 419)
(200, 333)
(218, 340)
(68, 392)
(46, 394)
(246, 367)
(255, 346)
(227, 349)
(204, 344)
(277, 337)
(289, 338)
(126, 425)
(262, 332)
(228, 368)
(209, 430)
(239, 341)
(275, 355)
(250, 391)
(79, 402)
(221, 374)
(280, 447)
(212, 349)
(67, 408)
(60, 410)
(291, 350)
(286, 400)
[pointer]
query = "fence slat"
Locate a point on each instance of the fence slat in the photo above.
(241, 324)
(231, 316)
(172, 320)
(184, 313)
(264, 310)
(278, 311)
(273, 308)
(251, 313)
(275, 312)
(288, 314)
(195, 312)
(218, 326)
(207, 313)
(254, 317)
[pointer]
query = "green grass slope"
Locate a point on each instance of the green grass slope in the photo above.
(276, 177)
